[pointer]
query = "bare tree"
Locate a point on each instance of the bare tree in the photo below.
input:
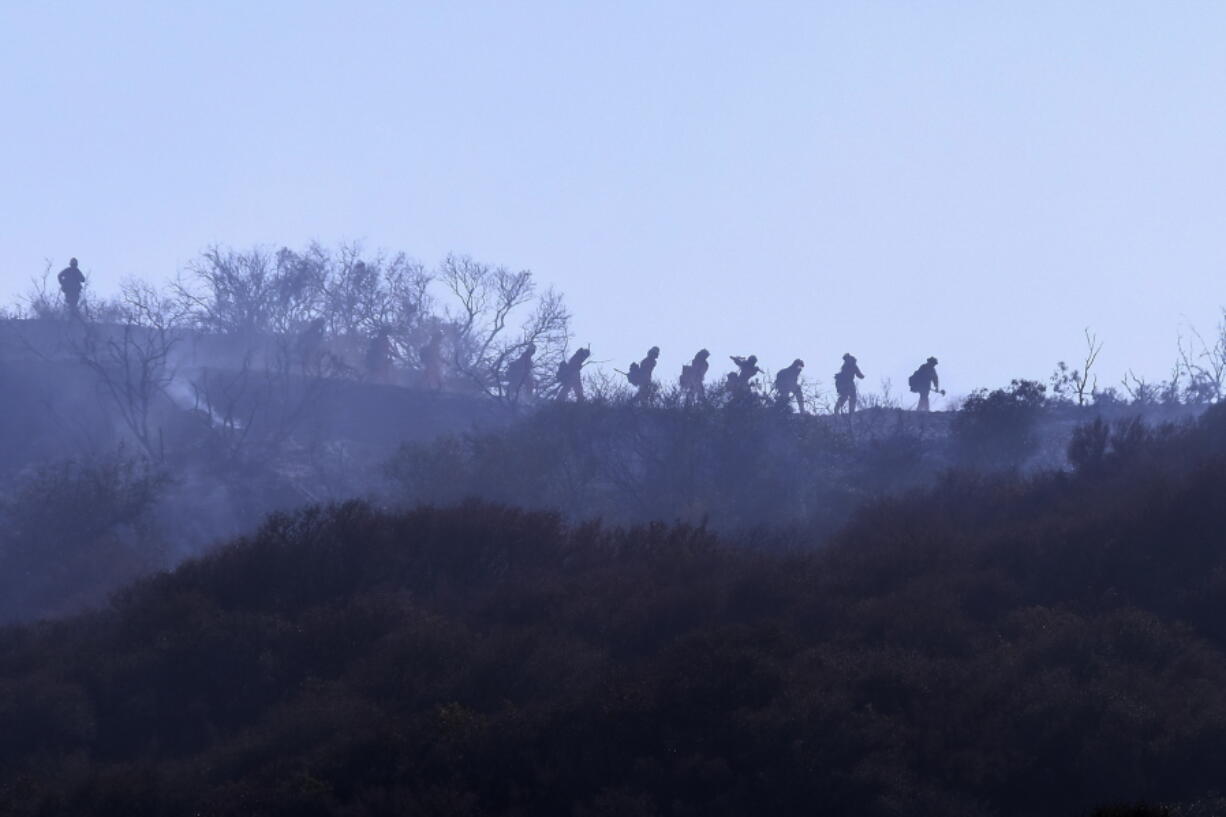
(1203, 362)
(344, 295)
(41, 301)
(356, 302)
(495, 314)
(364, 298)
(1139, 389)
(132, 358)
(1087, 382)
(1067, 383)
(232, 292)
(408, 291)
(816, 397)
(1144, 392)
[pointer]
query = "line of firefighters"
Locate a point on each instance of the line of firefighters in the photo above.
(739, 383)
(521, 378)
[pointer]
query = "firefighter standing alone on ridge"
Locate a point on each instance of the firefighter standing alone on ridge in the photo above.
(71, 281)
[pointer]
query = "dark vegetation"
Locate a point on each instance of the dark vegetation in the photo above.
(72, 531)
(733, 468)
(742, 467)
(996, 644)
(1000, 428)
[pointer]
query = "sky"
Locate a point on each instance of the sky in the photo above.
(980, 182)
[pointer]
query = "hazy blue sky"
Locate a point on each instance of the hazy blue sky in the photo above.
(977, 181)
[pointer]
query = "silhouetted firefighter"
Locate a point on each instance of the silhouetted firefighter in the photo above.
(640, 374)
(694, 376)
(71, 281)
(741, 381)
(520, 380)
(787, 384)
(925, 380)
(845, 385)
(432, 361)
(379, 357)
(570, 375)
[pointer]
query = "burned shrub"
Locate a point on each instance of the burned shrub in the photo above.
(996, 429)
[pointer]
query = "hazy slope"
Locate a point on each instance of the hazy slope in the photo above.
(994, 646)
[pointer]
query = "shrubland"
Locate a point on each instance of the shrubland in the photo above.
(624, 606)
(1007, 643)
